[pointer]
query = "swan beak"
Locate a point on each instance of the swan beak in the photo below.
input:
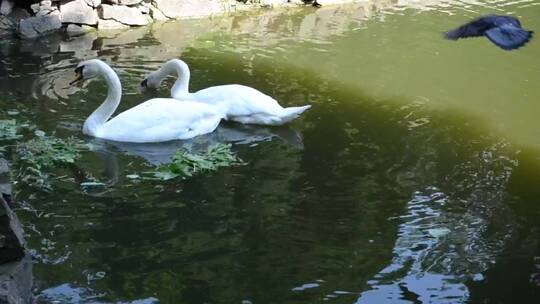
(144, 83)
(78, 78)
(143, 86)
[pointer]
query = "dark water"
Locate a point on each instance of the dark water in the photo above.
(413, 179)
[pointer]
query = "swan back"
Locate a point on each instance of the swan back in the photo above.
(162, 119)
(244, 104)
(242, 100)
(156, 120)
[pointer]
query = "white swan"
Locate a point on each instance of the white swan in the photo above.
(245, 105)
(155, 120)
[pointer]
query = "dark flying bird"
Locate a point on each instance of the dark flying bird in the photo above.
(504, 31)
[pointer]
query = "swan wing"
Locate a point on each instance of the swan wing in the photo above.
(161, 119)
(242, 100)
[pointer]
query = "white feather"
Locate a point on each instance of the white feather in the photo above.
(244, 104)
(155, 120)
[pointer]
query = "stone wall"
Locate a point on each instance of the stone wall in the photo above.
(79, 16)
(15, 264)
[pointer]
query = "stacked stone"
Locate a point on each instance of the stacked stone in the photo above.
(80, 16)
(15, 263)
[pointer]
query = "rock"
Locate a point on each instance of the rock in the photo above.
(129, 2)
(35, 7)
(16, 281)
(7, 26)
(15, 264)
(272, 3)
(110, 25)
(93, 3)
(123, 14)
(46, 8)
(18, 14)
(156, 14)
(43, 12)
(37, 26)
(9, 23)
(47, 5)
(6, 7)
(5, 185)
(177, 9)
(144, 9)
(11, 235)
(78, 12)
(75, 30)
(4, 166)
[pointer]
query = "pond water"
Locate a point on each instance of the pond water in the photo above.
(413, 178)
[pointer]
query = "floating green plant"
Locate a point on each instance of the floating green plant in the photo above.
(185, 164)
(8, 129)
(49, 151)
(44, 153)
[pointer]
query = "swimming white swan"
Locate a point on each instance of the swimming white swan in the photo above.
(245, 105)
(155, 120)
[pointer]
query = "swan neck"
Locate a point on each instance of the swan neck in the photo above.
(114, 93)
(181, 85)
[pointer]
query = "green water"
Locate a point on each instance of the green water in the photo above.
(413, 178)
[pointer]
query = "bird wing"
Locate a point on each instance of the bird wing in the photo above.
(242, 100)
(161, 119)
(474, 28)
(509, 37)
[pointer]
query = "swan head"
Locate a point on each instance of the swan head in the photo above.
(86, 70)
(152, 81)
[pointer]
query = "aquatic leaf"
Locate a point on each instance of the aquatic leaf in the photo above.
(8, 129)
(438, 232)
(39, 133)
(48, 151)
(133, 176)
(185, 164)
(165, 175)
(92, 184)
(45, 153)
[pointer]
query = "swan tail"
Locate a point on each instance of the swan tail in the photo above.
(292, 113)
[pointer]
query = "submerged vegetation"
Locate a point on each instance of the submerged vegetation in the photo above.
(185, 164)
(8, 129)
(38, 159)
(39, 155)
(43, 153)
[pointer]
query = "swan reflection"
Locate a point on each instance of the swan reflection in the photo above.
(161, 153)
